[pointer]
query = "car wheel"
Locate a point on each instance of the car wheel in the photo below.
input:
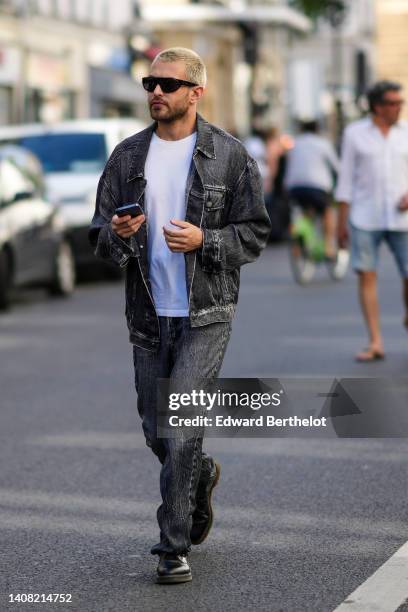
(5, 280)
(63, 282)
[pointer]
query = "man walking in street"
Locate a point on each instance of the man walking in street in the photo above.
(203, 217)
(373, 195)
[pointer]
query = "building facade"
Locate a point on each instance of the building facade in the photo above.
(70, 58)
(331, 67)
(65, 58)
(244, 45)
(392, 42)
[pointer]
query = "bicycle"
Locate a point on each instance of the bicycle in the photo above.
(307, 250)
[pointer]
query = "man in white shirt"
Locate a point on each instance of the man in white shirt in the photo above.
(373, 195)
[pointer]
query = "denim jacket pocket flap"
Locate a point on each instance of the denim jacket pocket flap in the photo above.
(214, 198)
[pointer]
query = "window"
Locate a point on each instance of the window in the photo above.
(81, 153)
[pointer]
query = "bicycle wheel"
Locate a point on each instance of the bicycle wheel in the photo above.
(303, 267)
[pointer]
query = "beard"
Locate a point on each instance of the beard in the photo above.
(165, 114)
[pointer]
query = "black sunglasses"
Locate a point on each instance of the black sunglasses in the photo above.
(167, 84)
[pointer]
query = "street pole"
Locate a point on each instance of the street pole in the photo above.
(336, 16)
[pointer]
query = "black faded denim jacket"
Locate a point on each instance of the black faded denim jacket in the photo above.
(223, 196)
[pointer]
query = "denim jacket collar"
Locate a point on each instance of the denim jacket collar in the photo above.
(205, 139)
(204, 144)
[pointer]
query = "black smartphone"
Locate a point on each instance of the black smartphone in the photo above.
(133, 210)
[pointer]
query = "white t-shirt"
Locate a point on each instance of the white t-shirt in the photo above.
(166, 171)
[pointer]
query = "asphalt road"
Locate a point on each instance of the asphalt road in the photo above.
(299, 523)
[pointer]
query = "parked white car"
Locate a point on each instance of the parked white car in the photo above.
(34, 250)
(73, 155)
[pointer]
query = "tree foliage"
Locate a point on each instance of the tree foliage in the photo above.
(333, 10)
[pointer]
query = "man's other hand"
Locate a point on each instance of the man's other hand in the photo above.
(126, 226)
(342, 225)
(403, 204)
(342, 235)
(188, 238)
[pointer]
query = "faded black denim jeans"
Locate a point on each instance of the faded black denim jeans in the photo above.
(185, 352)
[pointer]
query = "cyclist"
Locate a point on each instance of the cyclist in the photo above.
(312, 167)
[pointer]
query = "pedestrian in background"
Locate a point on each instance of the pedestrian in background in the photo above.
(274, 151)
(311, 170)
(373, 196)
(202, 200)
(256, 148)
(276, 199)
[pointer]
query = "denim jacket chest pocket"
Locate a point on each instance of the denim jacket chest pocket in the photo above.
(214, 204)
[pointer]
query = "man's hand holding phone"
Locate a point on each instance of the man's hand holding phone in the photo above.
(127, 220)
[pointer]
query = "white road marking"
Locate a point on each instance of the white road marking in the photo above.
(385, 590)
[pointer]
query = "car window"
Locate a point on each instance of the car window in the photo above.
(68, 152)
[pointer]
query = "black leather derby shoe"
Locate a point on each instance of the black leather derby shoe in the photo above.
(173, 569)
(203, 514)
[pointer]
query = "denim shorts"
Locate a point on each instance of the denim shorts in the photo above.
(365, 245)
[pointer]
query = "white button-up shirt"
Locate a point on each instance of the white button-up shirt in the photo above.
(374, 175)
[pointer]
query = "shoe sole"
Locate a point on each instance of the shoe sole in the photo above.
(174, 579)
(210, 522)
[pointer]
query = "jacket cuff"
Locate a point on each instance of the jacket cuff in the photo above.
(119, 249)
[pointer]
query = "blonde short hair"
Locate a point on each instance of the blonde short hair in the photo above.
(195, 68)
